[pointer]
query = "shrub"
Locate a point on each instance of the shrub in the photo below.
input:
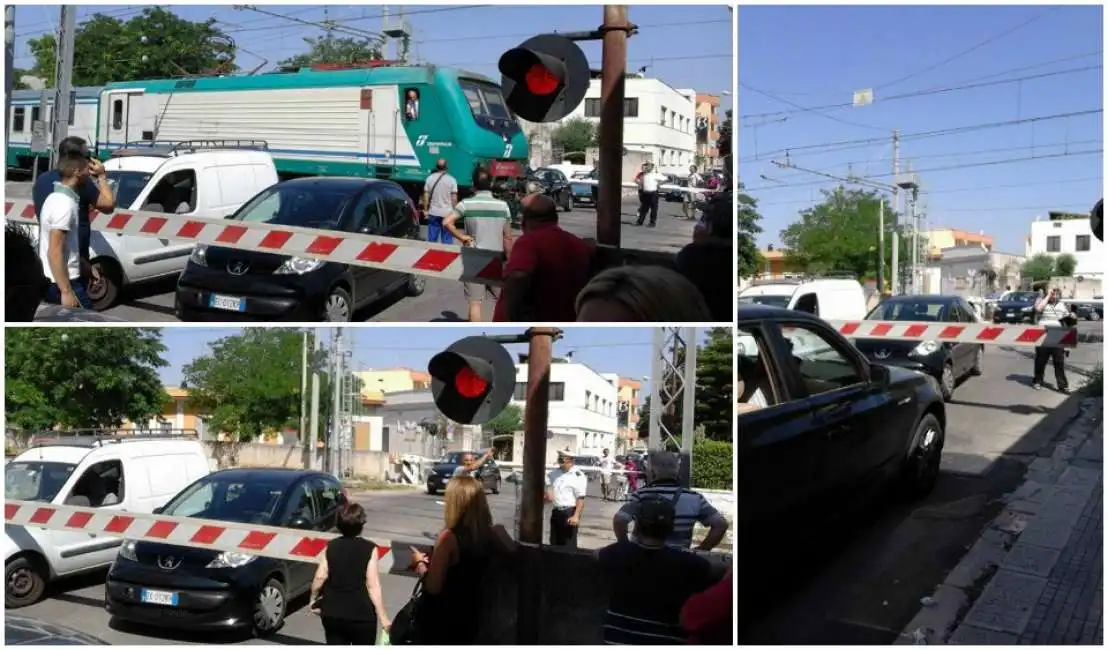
(712, 465)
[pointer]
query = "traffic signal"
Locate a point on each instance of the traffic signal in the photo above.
(1096, 220)
(544, 78)
(472, 380)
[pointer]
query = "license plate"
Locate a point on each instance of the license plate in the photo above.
(445, 480)
(159, 597)
(226, 302)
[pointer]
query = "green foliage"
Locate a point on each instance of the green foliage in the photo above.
(643, 427)
(714, 384)
(107, 49)
(713, 463)
(575, 134)
(1039, 268)
(749, 217)
(332, 49)
(840, 234)
(82, 378)
(1064, 265)
(506, 422)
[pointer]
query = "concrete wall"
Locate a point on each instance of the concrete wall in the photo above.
(372, 464)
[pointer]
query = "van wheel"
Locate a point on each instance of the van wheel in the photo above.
(24, 583)
(270, 608)
(920, 472)
(105, 292)
(337, 308)
(415, 286)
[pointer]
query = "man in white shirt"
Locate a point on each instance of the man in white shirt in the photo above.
(607, 464)
(648, 181)
(689, 203)
(1052, 311)
(59, 245)
(566, 488)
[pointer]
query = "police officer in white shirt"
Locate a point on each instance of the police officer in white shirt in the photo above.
(648, 181)
(1052, 312)
(565, 489)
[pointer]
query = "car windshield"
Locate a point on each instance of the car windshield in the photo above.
(454, 457)
(35, 480)
(126, 186)
(485, 100)
(910, 310)
(772, 301)
(225, 499)
(302, 205)
(1022, 296)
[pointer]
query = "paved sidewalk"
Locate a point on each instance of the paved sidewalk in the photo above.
(1035, 576)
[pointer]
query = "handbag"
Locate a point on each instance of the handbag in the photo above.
(406, 624)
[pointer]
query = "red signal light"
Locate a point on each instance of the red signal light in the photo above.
(469, 384)
(541, 81)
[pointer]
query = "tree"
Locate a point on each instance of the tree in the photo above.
(1065, 265)
(83, 378)
(507, 422)
(156, 44)
(715, 384)
(332, 49)
(840, 234)
(749, 217)
(723, 145)
(17, 79)
(250, 382)
(575, 134)
(1039, 268)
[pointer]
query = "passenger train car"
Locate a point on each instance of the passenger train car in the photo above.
(25, 110)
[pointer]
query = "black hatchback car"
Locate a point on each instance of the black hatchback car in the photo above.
(224, 283)
(442, 471)
(553, 183)
(183, 587)
(946, 362)
(1016, 307)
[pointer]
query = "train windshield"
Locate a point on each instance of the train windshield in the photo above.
(485, 100)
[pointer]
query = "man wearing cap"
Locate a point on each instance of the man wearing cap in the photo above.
(565, 489)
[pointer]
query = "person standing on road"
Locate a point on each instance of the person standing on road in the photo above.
(648, 181)
(59, 245)
(566, 488)
(688, 202)
(346, 592)
(488, 225)
(440, 195)
(690, 507)
(607, 464)
(471, 464)
(1052, 311)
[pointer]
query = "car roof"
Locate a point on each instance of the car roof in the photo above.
(927, 298)
(754, 311)
(271, 474)
(339, 183)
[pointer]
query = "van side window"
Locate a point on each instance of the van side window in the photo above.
(808, 303)
(822, 366)
(100, 485)
(175, 193)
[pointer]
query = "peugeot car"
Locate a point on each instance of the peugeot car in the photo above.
(442, 471)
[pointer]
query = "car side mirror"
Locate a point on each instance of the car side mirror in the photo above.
(300, 522)
(878, 373)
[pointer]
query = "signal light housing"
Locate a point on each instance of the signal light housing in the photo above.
(545, 78)
(1096, 220)
(472, 380)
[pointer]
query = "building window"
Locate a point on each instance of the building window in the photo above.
(1054, 244)
(630, 106)
(557, 391)
(592, 108)
(1084, 243)
(663, 119)
(588, 398)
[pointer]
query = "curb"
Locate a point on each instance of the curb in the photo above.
(1017, 550)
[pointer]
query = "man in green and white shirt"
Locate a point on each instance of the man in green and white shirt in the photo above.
(487, 222)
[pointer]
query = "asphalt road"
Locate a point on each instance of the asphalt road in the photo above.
(860, 579)
(443, 300)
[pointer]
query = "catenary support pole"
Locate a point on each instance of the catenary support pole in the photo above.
(315, 457)
(64, 77)
(612, 86)
(9, 67)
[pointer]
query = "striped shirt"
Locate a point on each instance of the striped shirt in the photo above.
(485, 217)
(1053, 313)
(691, 507)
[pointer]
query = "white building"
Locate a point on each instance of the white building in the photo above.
(583, 404)
(1066, 233)
(657, 120)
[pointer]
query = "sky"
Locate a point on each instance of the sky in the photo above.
(995, 180)
(625, 351)
(685, 46)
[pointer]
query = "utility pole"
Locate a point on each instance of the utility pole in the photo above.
(616, 29)
(305, 439)
(314, 443)
(9, 67)
(336, 403)
(881, 247)
(63, 79)
(894, 272)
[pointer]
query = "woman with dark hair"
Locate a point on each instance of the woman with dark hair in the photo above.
(346, 591)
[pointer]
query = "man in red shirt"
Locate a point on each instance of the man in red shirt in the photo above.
(547, 267)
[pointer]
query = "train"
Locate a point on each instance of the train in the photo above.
(26, 110)
(378, 120)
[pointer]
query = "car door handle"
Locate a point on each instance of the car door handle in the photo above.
(832, 412)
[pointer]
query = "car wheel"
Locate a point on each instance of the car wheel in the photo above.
(270, 608)
(24, 585)
(978, 368)
(496, 487)
(921, 469)
(415, 286)
(105, 291)
(1094, 316)
(946, 382)
(432, 491)
(337, 308)
(569, 202)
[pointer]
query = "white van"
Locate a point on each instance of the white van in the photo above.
(828, 298)
(186, 179)
(124, 474)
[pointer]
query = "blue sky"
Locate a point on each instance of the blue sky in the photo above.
(626, 351)
(817, 56)
(686, 46)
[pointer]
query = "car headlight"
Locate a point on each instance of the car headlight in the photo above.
(926, 348)
(199, 255)
(299, 266)
(532, 187)
(231, 560)
(127, 550)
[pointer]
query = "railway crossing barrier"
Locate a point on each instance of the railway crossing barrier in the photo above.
(983, 333)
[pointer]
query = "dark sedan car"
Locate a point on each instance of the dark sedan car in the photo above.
(224, 283)
(946, 362)
(553, 183)
(1016, 307)
(185, 587)
(442, 471)
(585, 193)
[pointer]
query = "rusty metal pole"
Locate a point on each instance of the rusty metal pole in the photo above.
(613, 68)
(540, 353)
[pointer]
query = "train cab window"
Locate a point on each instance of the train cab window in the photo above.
(117, 114)
(19, 118)
(411, 104)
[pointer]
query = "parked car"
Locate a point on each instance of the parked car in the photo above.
(126, 474)
(553, 183)
(583, 193)
(822, 427)
(442, 471)
(1091, 310)
(675, 196)
(186, 587)
(1016, 307)
(945, 361)
(222, 283)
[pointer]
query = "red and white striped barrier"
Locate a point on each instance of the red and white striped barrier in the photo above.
(1010, 335)
(404, 255)
(270, 541)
